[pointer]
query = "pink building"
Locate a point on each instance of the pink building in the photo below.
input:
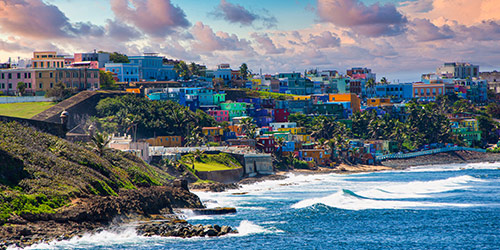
(9, 79)
(220, 115)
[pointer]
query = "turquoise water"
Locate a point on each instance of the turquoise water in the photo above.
(438, 207)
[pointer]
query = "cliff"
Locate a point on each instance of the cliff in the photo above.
(51, 187)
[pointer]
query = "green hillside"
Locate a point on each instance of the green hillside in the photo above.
(41, 172)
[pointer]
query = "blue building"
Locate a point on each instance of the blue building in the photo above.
(151, 67)
(401, 91)
(124, 72)
(223, 72)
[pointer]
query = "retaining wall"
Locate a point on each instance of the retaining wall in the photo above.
(223, 176)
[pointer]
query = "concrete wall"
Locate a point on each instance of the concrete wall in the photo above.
(47, 127)
(18, 99)
(258, 164)
(223, 176)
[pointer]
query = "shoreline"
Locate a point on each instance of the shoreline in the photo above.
(457, 157)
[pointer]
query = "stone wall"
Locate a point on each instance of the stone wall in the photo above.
(80, 107)
(223, 176)
(56, 129)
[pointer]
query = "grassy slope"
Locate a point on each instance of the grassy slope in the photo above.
(24, 109)
(208, 162)
(41, 172)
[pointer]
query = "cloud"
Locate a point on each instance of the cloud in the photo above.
(267, 44)
(325, 40)
(156, 18)
(484, 31)
(424, 31)
(36, 19)
(121, 31)
(418, 6)
(235, 13)
(15, 46)
(208, 41)
(373, 21)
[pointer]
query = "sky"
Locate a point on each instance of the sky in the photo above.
(398, 39)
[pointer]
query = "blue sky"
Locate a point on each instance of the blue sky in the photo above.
(399, 41)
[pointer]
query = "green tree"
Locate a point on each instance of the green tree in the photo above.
(117, 57)
(100, 142)
(182, 70)
(21, 88)
(248, 127)
(488, 129)
(60, 92)
(107, 81)
(244, 71)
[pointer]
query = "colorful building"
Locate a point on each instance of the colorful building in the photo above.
(219, 115)
(46, 60)
(213, 134)
(319, 156)
(350, 97)
(236, 109)
(165, 141)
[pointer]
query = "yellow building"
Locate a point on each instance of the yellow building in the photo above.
(302, 138)
(293, 131)
(375, 102)
(47, 59)
(212, 131)
(78, 78)
(301, 97)
(350, 97)
(165, 141)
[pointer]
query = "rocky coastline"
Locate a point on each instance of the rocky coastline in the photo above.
(94, 214)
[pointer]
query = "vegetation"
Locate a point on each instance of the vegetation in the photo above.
(186, 71)
(267, 95)
(24, 109)
(121, 114)
(60, 92)
(210, 162)
(117, 57)
(106, 80)
(41, 172)
(21, 88)
(244, 72)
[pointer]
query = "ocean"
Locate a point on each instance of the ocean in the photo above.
(435, 207)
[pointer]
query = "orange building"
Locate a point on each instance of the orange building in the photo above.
(320, 156)
(375, 102)
(238, 129)
(350, 97)
(166, 141)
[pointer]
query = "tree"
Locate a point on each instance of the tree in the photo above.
(21, 88)
(117, 57)
(182, 70)
(107, 81)
(100, 142)
(59, 92)
(488, 129)
(244, 71)
(248, 128)
(383, 80)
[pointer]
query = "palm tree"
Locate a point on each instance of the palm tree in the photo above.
(248, 128)
(383, 80)
(100, 142)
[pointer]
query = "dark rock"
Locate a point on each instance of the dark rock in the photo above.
(215, 211)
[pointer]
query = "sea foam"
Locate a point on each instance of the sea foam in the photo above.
(346, 199)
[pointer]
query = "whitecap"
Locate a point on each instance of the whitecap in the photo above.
(346, 199)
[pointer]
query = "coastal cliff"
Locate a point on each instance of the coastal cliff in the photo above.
(54, 189)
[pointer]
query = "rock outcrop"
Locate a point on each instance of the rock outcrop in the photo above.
(181, 228)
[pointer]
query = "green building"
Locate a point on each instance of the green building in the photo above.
(236, 109)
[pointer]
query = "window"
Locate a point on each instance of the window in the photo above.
(40, 75)
(29, 75)
(440, 91)
(51, 85)
(51, 75)
(9, 76)
(29, 85)
(68, 75)
(25, 75)
(10, 85)
(41, 64)
(40, 85)
(18, 75)
(3, 76)
(60, 74)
